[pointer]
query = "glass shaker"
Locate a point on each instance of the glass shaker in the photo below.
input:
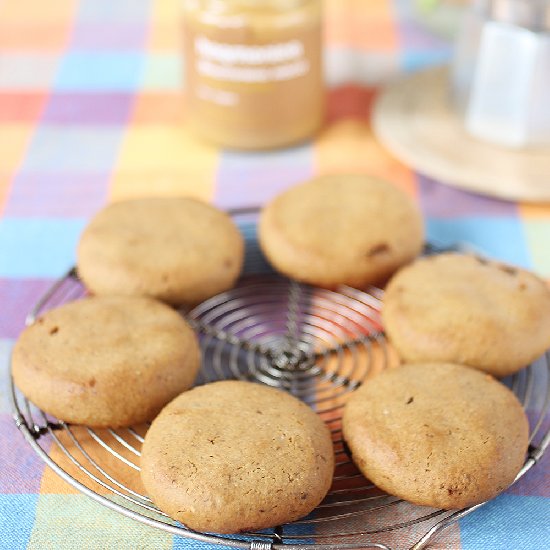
(254, 75)
(501, 72)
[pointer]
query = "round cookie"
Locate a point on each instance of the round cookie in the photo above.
(235, 456)
(341, 229)
(468, 310)
(178, 250)
(438, 435)
(106, 361)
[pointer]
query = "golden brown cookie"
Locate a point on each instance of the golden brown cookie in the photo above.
(341, 229)
(106, 361)
(236, 456)
(438, 435)
(468, 310)
(178, 250)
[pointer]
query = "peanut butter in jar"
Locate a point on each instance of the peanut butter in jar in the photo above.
(254, 75)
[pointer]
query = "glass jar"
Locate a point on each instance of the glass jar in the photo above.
(254, 74)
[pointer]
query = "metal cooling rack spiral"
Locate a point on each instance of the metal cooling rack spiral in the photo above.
(318, 345)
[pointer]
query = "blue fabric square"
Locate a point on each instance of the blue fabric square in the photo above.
(75, 149)
(416, 59)
(254, 261)
(183, 543)
(108, 10)
(37, 247)
(112, 71)
(500, 238)
(506, 523)
(17, 513)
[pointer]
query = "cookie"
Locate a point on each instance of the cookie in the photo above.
(438, 435)
(468, 310)
(178, 250)
(106, 361)
(341, 229)
(234, 456)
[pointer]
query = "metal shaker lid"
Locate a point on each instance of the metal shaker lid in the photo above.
(530, 14)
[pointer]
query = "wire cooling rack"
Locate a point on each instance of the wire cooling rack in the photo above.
(317, 344)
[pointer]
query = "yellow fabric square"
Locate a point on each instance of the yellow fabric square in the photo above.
(166, 28)
(166, 36)
(164, 160)
(167, 10)
(14, 140)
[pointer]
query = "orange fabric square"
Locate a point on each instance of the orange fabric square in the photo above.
(363, 24)
(161, 108)
(349, 145)
(113, 466)
(21, 106)
(350, 102)
(33, 35)
(23, 11)
(535, 210)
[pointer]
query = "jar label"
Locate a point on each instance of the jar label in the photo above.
(244, 63)
(257, 84)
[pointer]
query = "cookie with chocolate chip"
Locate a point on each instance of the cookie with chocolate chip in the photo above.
(468, 310)
(106, 361)
(341, 229)
(435, 434)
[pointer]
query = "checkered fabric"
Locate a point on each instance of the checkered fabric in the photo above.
(92, 109)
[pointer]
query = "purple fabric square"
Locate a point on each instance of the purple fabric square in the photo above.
(57, 195)
(88, 108)
(250, 179)
(18, 298)
(108, 35)
(414, 36)
(536, 481)
(21, 468)
(442, 201)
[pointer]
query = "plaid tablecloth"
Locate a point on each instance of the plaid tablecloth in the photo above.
(92, 110)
